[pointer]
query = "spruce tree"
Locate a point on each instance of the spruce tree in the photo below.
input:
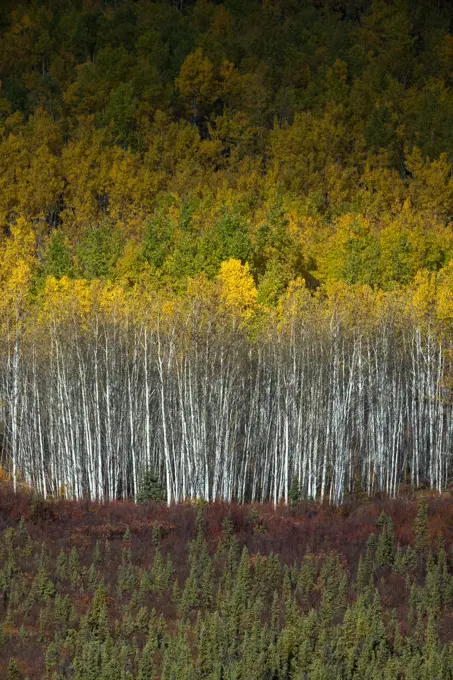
(385, 549)
(75, 569)
(97, 553)
(111, 666)
(147, 666)
(433, 586)
(410, 559)
(156, 534)
(142, 620)
(51, 657)
(158, 576)
(97, 618)
(22, 530)
(421, 526)
(151, 490)
(190, 597)
(294, 491)
(92, 578)
(43, 586)
(307, 575)
(13, 670)
(61, 566)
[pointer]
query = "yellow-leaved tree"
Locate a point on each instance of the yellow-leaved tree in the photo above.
(66, 300)
(238, 289)
(444, 296)
(422, 301)
(196, 82)
(16, 261)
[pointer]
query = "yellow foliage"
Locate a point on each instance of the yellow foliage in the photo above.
(238, 288)
(110, 299)
(423, 295)
(444, 295)
(65, 299)
(86, 163)
(357, 307)
(200, 288)
(4, 476)
(30, 173)
(16, 262)
(382, 190)
(333, 248)
(431, 188)
(196, 79)
(130, 191)
(18, 248)
(297, 303)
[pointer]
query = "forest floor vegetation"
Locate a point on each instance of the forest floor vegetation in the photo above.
(200, 590)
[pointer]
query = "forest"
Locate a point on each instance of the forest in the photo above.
(218, 591)
(226, 248)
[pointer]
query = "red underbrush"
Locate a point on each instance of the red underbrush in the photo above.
(287, 531)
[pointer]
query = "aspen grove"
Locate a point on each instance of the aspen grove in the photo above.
(340, 392)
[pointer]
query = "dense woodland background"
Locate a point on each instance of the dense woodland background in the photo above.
(226, 246)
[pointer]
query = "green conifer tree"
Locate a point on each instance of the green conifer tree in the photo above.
(51, 658)
(158, 575)
(22, 530)
(127, 535)
(410, 559)
(433, 586)
(13, 670)
(43, 586)
(307, 575)
(97, 618)
(421, 526)
(62, 566)
(385, 549)
(294, 494)
(97, 553)
(156, 534)
(75, 569)
(147, 665)
(151, 490)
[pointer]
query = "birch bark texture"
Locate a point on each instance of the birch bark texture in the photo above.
(218, 412)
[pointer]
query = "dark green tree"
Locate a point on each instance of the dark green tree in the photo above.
(150, 490)
(421, 526)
